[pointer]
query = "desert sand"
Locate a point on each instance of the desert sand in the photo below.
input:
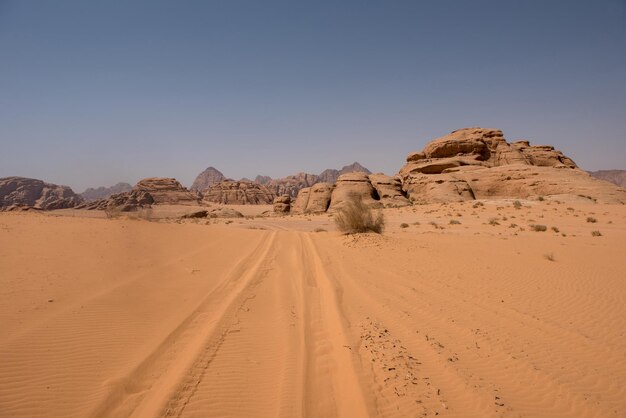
(263, 317)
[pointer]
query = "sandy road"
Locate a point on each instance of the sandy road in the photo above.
(267, 338)
(145, 319)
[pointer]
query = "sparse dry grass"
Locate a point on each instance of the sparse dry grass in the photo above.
(356, 217)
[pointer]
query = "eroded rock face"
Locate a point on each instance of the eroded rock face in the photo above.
(32, 193)
(355, 185)
(291, 185)
(125, 202)
(319, 198)
(206, 179)
(475, 163)
(282, 204)
(231, 192)
(299, 206)
(389, 190)
(166, 190)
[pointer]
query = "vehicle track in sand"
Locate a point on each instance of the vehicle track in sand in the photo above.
(271, 340)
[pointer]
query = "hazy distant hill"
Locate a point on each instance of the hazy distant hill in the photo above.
(206, 179)
(614, 176)
(105, 192)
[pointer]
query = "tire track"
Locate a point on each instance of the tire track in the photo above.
(158, 384)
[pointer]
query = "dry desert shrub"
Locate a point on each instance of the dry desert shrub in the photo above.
(113, 212)
(454, 222)
(356, 217)
(555, 229)
(517, 204)
(539, 228)
(404, 225)
(596, 234)
(319, 230)
(591, 220)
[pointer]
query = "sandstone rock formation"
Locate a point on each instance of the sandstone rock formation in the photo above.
(16, 192)
(104, 192)
(351, 185)
(282, 204)
(206, 179)
(614, 176)
(389, 190)
(166, 191)
(124, 202)
(225, 213)
(314, 199)
(299, 206)
(475, 163)
(291, 185)
(231, 192)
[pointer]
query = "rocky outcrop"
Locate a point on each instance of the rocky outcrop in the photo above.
(21, 192)
(291, 185)
(225, 213)
(389, 190)
(166, 191)
(104, 192)
(206, 179)
(314, 199)
(282, 204)
(231, 192)
(614, 176)
(476, 163)
(299, 206)
(124, 202)
(354, 185)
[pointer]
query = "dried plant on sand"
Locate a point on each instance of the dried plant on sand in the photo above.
(356, 217)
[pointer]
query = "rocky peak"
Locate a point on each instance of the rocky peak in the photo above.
(207, 178)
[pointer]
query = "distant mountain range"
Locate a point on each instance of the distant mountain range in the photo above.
(614, 176)
(289, 185)
(105, 192)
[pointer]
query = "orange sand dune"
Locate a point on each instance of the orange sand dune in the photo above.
(261, 317)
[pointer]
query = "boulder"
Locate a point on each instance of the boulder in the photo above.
(225, 213)
(231, 192)
(389, 190)
(196, 215)
(166, 191)
(37, 194)
(206, 179)
(353, 185)
(282, 204)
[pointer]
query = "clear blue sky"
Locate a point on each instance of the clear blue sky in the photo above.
(96, 92)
